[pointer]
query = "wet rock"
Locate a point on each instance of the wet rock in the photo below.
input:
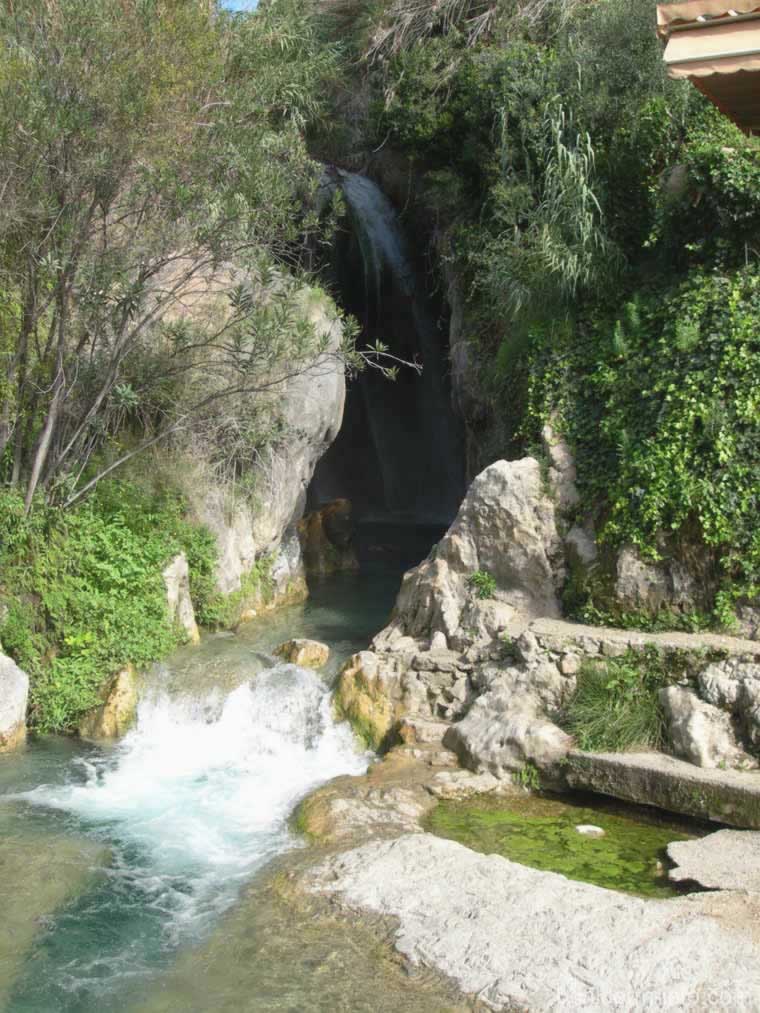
(726, 860)
(367, 695)
(305, 653)
(177, 581)
(116, 715)
(325, 538)
(699, 732)
(14, 693)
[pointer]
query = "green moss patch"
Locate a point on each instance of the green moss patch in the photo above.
(540, 831)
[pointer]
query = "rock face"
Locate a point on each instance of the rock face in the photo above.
(325, 538)
(305, 653)
(116, 715)
(506, 529)
(14, 693)
(177, 580)
(727, 860)
(699, 732)
(649, 586)
(519, 938)
(562, 472)
(310, 410)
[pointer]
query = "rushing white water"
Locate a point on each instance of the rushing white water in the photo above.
(198, 794)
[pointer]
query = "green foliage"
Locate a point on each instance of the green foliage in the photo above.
(82, 592)
(483, 584)
(616, 706)
(602, 222)
(664, 415)
(528, 777)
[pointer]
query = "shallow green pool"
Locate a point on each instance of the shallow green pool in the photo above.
(540, 831)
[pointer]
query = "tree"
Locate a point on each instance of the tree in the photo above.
(145, 145)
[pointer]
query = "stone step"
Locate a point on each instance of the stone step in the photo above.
(723, 796)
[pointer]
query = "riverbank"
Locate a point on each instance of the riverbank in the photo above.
(510, 936)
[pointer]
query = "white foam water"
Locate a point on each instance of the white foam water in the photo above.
(198, 794)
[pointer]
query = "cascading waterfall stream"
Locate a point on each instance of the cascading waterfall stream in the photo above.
(191, 803)
(400, 452)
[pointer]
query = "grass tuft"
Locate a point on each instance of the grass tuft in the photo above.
(616, 706)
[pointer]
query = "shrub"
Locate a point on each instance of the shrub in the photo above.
(482, 583)
(616, 705)
(84, 595)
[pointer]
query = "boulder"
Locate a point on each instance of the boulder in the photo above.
(177, 580)
(501, 733)
(505, 528)
(699, 732)
(734, 686)
(14, 694)
(726, 860)
(116, 715)
(368, 696)
(325, 538)
(305, 653)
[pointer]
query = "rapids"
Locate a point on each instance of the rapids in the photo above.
(182, 812)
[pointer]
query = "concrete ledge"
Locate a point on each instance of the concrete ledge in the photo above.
(557, 633)
(724, 796)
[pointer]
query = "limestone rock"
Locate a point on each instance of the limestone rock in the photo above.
(523, 939)
(419, 731)
(734, 685)
(311, 406)
(726, 860)
(177, 580)
(506, 528)
(311, 413)
(305, 653)
(581, 543)
(699, 732)
(367, 696)
(748, 618)
(650, 586)
(589, 830)
(116, 715)
(14, 693)
(562, 473)
(501, 733)
(325, 538)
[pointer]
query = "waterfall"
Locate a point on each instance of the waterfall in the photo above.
(400, 452)
(190, 804)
